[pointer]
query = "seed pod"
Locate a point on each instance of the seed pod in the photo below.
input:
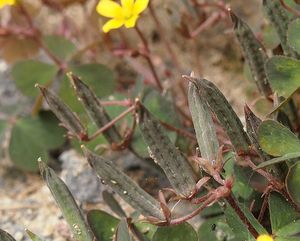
(165, 154)
(280, 21)
(123, 185)
(68, 118)
(94, 108)
(253, 53)
(66, 203)
(203, 124)
(223, 110)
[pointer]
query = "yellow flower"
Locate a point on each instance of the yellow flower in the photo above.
(264, 237)
(125, 14)
(6, 2)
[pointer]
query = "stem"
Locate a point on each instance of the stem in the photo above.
(112, 122)
(263, 207)
(181, 132)
(242, 216)
(148, 58)
(292, 10)
(164, 38)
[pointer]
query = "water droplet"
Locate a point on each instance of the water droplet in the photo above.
(125, 192)
(103, 182)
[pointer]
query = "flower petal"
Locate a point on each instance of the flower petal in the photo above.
(130, 23)
(112, 24)
(110, 9)
(6, 2)
(140, 6)
(127, 3)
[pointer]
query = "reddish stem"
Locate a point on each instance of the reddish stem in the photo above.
(147, 57)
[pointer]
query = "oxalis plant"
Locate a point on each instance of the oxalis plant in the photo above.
(242, 182)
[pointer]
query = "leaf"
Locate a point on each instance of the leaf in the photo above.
(270, 37)
(278, 160)
(292, 182)
(283, 74)
(32, 137)
(59, 46)
(33, 236)
(276, 139)
(290, 232)
(123, 185)
(113, 204)
(293, 35)
(66, 203)
(102, 224)
(239, 229)
(279, 218)
(29, 72)
(123, 232)
(180, 232)
(97, 76)
(147, 229)
(214, 229)
(4, 236)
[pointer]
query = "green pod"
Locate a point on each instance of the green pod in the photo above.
(225, 113)
(165, 154)
(280, 21)
(66, 204)
(203, 124)
(254, 54)
(123, 185)
(68, 118)
(94, 108)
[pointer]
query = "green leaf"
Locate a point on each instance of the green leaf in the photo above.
(239, 229)
(280, 218)
(276, 139)
(59, 46)
(123, 232)
(4, 236)
(290, 232)
(180, 232)
(113, 204)
(283, 74)
(146, 229)
(33, 137)
(102, 224)
(292, 182)
(29, 72)
(66, 203)
(33, 236)
(293, 35)
(97, 76)
(278, 160)
(270, 37)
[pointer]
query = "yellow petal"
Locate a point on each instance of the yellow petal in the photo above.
(110, 9)
(264, 237)
(6, 2)
(130, 23)
(112, 24)
(140, 6)
(127, 3)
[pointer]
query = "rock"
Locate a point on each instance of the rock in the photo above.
(80, 178)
